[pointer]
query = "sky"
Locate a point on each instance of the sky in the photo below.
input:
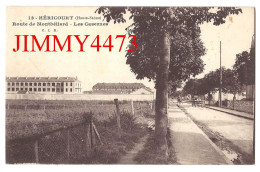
(235, 36)
(91, 66)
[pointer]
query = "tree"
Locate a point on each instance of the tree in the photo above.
(210, 83)
(169, 48)
(172, 87)
(177, 93)
(231, 83)
(245, 67)
(194, 87)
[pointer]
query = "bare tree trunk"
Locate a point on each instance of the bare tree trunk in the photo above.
(209, 98)
(161, 117)
(234, 97)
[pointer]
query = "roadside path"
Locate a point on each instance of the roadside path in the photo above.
(232, 134)
(129, 157)
(233, 112)
(192, 146)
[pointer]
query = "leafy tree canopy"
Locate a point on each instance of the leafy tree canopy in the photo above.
(193, 87)
(172, 87)
(210, 83)
(231, 83)
(182, 24)
(245, 67)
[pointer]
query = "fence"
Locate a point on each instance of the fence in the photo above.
(67, 104)
(111, 97)
(35, 107)
(63, 145)
(58, 146)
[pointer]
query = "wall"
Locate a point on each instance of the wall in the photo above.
(243, 106)
(136, 97)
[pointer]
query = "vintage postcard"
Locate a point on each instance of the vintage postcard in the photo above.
(130, 85)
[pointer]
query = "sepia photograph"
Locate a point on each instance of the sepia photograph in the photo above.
(130, 85)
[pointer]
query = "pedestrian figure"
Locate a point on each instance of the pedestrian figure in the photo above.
(179, 100)
(193, 103)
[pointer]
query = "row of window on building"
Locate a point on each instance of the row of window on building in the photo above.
(40, 89)
(40, 84)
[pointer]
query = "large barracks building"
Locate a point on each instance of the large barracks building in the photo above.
(48, 85)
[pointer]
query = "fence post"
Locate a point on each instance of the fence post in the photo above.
(88, 144)
(97, 134)
(89, 123)
(92, 134)
(233, 103)
(132, 107)
(118, 117)
(153, 105)
(44, 107)
(68, 143)
(25, 107)
(36, 151)
(8, 106)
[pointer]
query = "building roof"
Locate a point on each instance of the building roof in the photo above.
(139, 91)
(41, 79)
(149, 89)
(110, 92)
(119, 85)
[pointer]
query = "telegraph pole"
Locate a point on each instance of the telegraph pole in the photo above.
(220, 81)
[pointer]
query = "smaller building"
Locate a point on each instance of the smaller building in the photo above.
(121, 88)
(145, 90)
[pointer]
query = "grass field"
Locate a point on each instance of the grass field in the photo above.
(35, 120)
(21, 122)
